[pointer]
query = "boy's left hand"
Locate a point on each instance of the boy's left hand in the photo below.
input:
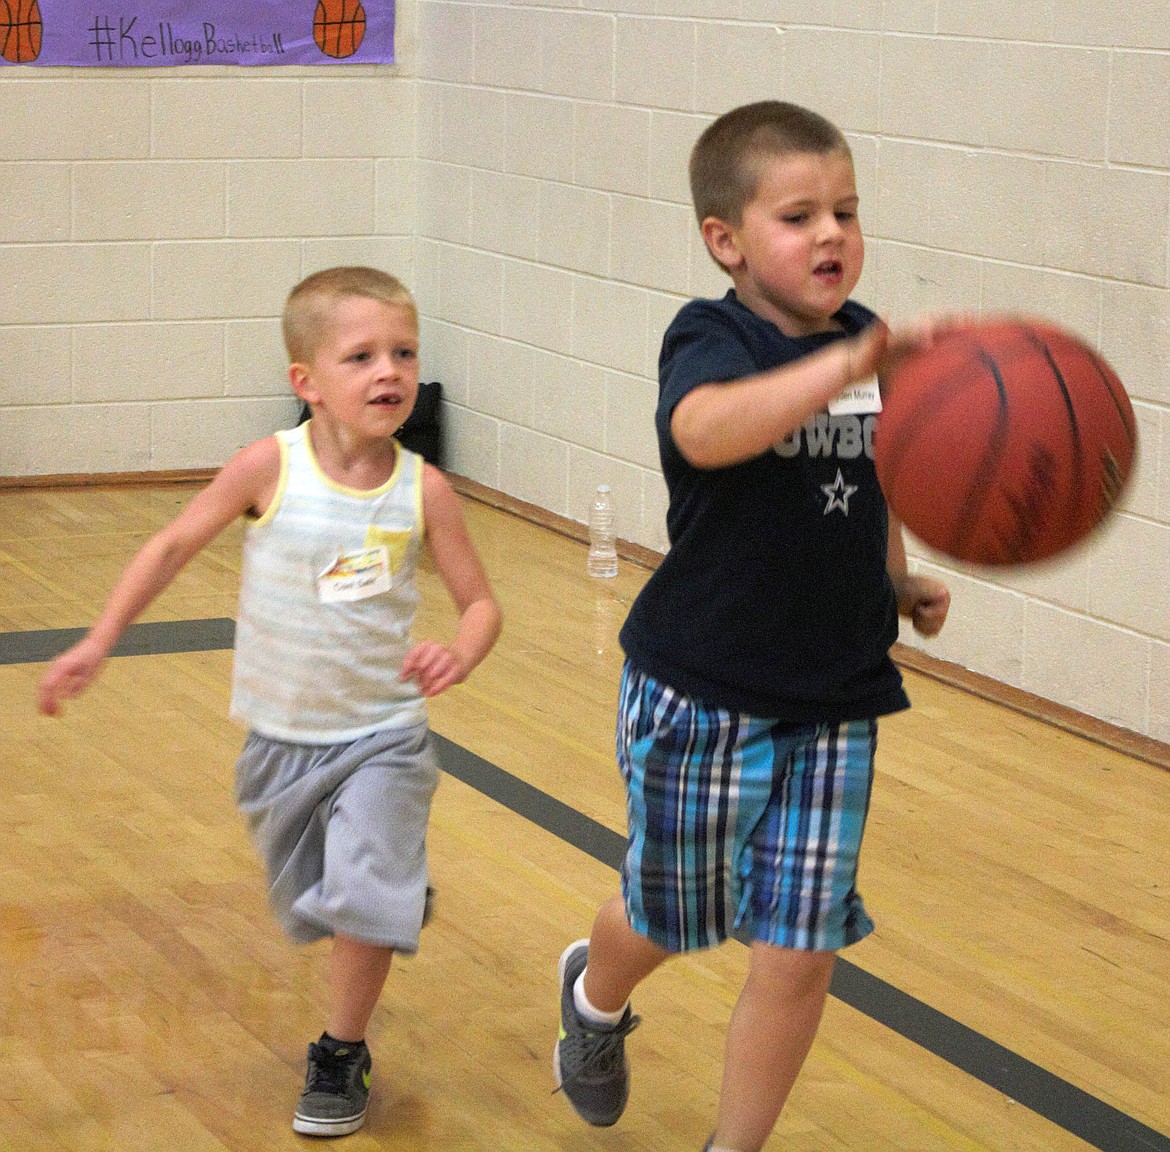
(434, 666)
(924, 600)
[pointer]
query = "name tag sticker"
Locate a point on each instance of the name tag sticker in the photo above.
(858, 399)
(355, 576)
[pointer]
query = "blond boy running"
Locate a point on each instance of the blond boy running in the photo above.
(336, 775)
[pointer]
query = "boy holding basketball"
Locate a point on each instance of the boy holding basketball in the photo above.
(757, 655)
(337, 772)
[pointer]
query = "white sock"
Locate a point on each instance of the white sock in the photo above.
(593, 1015)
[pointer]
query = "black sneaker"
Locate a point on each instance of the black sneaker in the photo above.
(589, 1060)
(337, 1089)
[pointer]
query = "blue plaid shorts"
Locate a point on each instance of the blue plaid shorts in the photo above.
(740, 826)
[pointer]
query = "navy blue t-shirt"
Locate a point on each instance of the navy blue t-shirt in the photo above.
(773, 598)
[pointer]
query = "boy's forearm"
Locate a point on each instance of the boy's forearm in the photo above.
(151, 570)
(167, 552)
(479, 626)
(896, 562)
(717, 425)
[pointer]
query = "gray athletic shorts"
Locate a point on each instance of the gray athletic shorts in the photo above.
(342, 831)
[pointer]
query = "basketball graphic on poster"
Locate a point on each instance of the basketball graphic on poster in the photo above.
(338, 27)
(20, 30)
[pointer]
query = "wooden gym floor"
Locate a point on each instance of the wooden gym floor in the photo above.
(1014, 995)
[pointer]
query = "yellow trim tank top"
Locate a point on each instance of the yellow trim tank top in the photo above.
(327, 599)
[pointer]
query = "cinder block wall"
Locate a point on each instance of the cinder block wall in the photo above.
(153, 221)
(1010, 157)
(524, 167)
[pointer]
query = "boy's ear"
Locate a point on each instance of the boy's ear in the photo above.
(719, 236)
(301, 381)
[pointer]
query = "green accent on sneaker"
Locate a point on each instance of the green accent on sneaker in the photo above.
(589, 1060)
(337, 1091)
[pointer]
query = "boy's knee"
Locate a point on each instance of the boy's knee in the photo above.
(790, 972)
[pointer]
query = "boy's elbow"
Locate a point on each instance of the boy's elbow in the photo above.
(492, 624)
(693, 443)
(702, 452)
(704, 459)
(492, 616)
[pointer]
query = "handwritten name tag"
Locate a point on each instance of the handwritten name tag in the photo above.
(858, 399)
(355, 576)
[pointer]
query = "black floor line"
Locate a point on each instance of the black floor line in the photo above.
(138, 640)
(1076, 1111)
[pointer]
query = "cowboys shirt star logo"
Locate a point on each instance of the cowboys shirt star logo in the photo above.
(838, 493)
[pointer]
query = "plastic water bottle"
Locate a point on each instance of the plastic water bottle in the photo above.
(602, 553)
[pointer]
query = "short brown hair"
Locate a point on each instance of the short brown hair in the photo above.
(307, 310)
(726, 161)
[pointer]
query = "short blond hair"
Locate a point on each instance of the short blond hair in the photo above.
(308, 310)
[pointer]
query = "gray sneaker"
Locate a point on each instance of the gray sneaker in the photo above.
(590, 1060)
(337, 1090)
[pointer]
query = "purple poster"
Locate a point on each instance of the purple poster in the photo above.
(157, 33)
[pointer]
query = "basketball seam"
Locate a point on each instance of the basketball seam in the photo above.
(1077, 489)
(989, 463)
(1123, 411)
(907, 431)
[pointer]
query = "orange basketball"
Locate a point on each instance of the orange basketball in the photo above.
(1005, 442)
(339, 26)
(20, 30)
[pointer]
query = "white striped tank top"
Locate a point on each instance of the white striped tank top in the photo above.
(312, 666)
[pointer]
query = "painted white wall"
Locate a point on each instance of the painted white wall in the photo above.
(524, 168)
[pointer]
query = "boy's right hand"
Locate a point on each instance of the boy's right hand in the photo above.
(69, 675)
(913, 336)
(867, 352)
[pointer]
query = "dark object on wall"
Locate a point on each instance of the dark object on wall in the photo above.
(423, 430)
